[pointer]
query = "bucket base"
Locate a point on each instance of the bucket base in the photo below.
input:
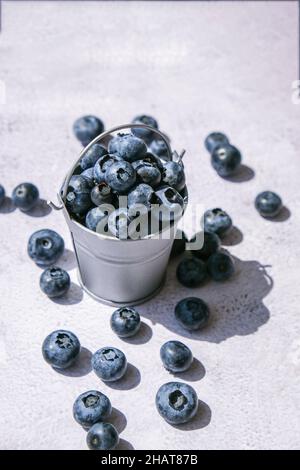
(121, 304)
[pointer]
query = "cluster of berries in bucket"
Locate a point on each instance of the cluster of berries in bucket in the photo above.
(129, 187)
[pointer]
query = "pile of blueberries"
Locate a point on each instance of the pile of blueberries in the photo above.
(135, 165)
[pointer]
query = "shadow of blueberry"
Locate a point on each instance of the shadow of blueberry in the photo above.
(118, 419)
(283, 215)
(67, 260)
(200, 420)
(194, 373)
(72, 297)
(143, 335)
(234, 237)
(7, 206)
(130, 380)
(81, 367)
(40, 210)
(124, 445)
(243, 174)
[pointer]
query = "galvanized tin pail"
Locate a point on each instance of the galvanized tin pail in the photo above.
(118, 272)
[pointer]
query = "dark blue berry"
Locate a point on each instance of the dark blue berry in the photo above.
(220, 266)
(87, 128)
(176, 356)
(125, 322)
(78, 199)
(147, 172)
(96, 219)
(170, 202)
(120, 176)
(25, 196)
(102, 166)
(141, 194)
(45, 247)
(55, 282)
(88, 174)
(2, 194)
(215, 140)
(191, 272)
(211, 244)
(268, 204)
(192, 313)
(102, 436)
(91, 407)
(101, 193)
(159, 148)
(109, 364)
(93, 154)
(226, 159)
(128, 146)
(217, 221)
(61, 348)
(118, 223)
(176, 402)
(179, 242)
(173, 175)
(144, 119)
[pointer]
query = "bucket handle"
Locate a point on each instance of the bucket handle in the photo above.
(104, 134)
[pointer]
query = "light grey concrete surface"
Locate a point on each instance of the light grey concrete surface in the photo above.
(197, 67)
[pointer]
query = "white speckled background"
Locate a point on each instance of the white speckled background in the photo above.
(197, 67)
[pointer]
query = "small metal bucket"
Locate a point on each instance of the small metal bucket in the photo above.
(118, 272)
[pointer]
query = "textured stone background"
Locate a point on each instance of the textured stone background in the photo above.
(197, 67)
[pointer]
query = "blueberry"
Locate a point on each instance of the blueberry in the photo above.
(176, 356)
(102, 166)
(118, 223)
(120, 176)
(61, 348)
(225, 159)
(101, 193)
(173, 175)
(91, 407)
(2, 194)
(215, 140)
(144, 119)
(25, 196)
(159, 148)
(88, 174)
(78, 199)
(171, 204)
(93, 154)
(55, 282)
(268, 204)
(45, 247)
(217, 221)
(153, 160)
(220, 266)
(211, 244)
(176, 402)
(95, 216)
(102, 436)
(87, 128)
(125, 322)
(179, 242)
(192, 313)
(109, 364)
(128, 146)
(147, 172)
(191, 272)
(142, 194)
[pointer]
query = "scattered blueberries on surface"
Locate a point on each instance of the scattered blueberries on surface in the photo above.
(102, 436)
(128, 146)
(61, 348)
(215, 140)
(176, 402)
(179, 242)
(268, 204)
(173, 175)
(78, 199)
(144, 119)
(101, 193)
(25, 196)
(55, 281)
(95, 216)
(191, 272)
(120, 176)
(217, 221)
(2, 194)
(147, 172)
(87, 128)
(125, 322)
(91, 407)
(225, 159)
(102, 165)
(109, 364)
(220, 266)
(141, 194)
(211, 244)
(192, 313)
(93, 154)
(176, 356)
(45, 247)
(159, 148)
